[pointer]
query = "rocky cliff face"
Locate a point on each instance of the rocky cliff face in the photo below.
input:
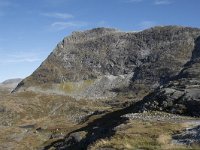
(98, 63)
(163, 63)
(181, 95)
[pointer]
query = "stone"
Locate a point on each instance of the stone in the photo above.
(99, 63)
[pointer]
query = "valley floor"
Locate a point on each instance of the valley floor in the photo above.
(38, 121)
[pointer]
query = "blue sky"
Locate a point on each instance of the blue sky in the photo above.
(30, 29)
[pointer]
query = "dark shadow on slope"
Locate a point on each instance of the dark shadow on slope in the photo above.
(194, 58)
(196, 52)
(98, 129)
(182, 105)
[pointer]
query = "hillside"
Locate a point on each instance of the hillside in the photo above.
(10, 83)
(181, 95)
(104, 89)
(102, 62)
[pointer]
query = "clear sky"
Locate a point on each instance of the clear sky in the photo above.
(30, 29)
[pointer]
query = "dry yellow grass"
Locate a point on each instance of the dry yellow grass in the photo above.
(55, 114)
(142, 135)
(73, 87)
(164, 139)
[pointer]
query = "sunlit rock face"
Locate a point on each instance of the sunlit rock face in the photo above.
(99, 63)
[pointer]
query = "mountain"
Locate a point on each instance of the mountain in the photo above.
(108, 89)
(181, 95)
(10, 83)
(102, 62)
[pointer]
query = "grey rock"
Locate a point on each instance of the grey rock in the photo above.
(188, 137)
(152, 57)
(180, 96)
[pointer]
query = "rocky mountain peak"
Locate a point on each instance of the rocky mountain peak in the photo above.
(102, 60)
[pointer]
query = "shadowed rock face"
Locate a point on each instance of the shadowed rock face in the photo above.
(102, 60)
(182, 94)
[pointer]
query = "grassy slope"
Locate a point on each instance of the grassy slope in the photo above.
(49, 113)
(52, 116)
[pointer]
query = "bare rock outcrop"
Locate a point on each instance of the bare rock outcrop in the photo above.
(99, 62)
(182, 94)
